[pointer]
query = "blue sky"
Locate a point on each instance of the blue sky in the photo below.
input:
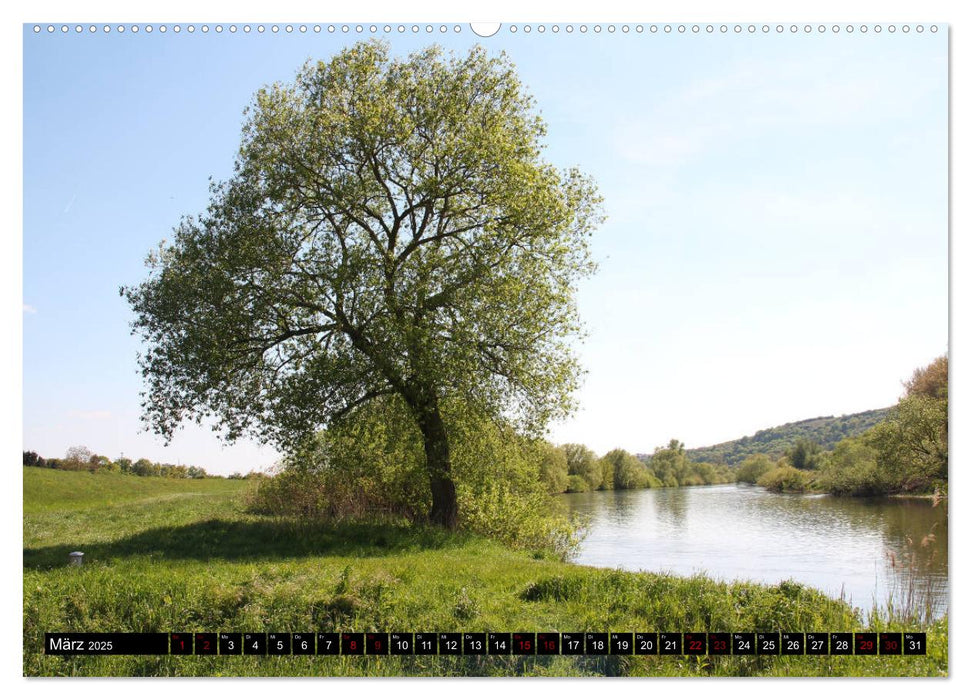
(776, 246)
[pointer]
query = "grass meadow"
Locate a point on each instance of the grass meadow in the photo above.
(166, 555)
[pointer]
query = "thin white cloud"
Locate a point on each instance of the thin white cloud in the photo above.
(28, 309)
(750, 98)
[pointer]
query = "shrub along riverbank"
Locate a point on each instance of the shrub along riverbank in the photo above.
(199, 561)
(906, 453)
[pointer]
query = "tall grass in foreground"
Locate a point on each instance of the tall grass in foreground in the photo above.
(912, 597)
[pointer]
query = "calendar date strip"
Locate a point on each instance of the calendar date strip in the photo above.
(488, 643)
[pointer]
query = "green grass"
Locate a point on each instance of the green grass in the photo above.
(47, 490)
(190, 560)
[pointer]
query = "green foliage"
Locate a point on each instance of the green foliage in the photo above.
(668, 463)
(912, 444)
(627, 471)
(930, 381)
(708, 473)
(554, 470)
(577, 484)
(907, 452)
(670, 466)
(391, 229)
(785, 479)
(582, 462)
(362, 468)
(606, 474)
(144, 467)
(521, 519)
(804, 454)
(753, 467)
(776, 442)
(851, 469)
(369, 468)
(501, 492)
(652, 482)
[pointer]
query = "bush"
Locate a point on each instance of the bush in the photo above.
(752, 469)
(576, 484)
(554, 469)
(670, 466)
(524, 520)
(304, 493)
(501, 493)
(804, 454)
(372, 466)
(851, 469)
(626, 470)
(785, 480)
(581, 461)
(366, 468)
(78, 458)
(669, 480)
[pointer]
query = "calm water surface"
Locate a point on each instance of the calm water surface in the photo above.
(866, 549)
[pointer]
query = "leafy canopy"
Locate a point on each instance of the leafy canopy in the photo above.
(391, 228)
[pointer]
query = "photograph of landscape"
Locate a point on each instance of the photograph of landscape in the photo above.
(523, 349)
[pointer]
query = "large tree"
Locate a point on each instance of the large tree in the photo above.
(912, 443)
(391, 228)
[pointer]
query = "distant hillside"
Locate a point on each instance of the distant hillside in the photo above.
(826, 430)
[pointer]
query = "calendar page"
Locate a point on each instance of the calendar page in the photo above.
(556, 349)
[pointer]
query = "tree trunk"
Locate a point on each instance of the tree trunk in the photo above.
(444, 510)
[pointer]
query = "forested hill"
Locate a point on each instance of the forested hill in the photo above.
(826, 431)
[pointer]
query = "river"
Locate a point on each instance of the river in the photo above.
(867, 550)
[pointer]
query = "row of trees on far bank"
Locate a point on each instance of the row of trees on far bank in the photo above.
(80, 458)
(907, 452)
(574, 468)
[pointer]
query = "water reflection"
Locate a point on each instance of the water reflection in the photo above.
(871, 550)
(674, 509)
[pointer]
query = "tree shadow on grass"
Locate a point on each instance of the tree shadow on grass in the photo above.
(234, 540)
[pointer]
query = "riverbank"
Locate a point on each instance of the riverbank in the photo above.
(196, 561)
(809, 487)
